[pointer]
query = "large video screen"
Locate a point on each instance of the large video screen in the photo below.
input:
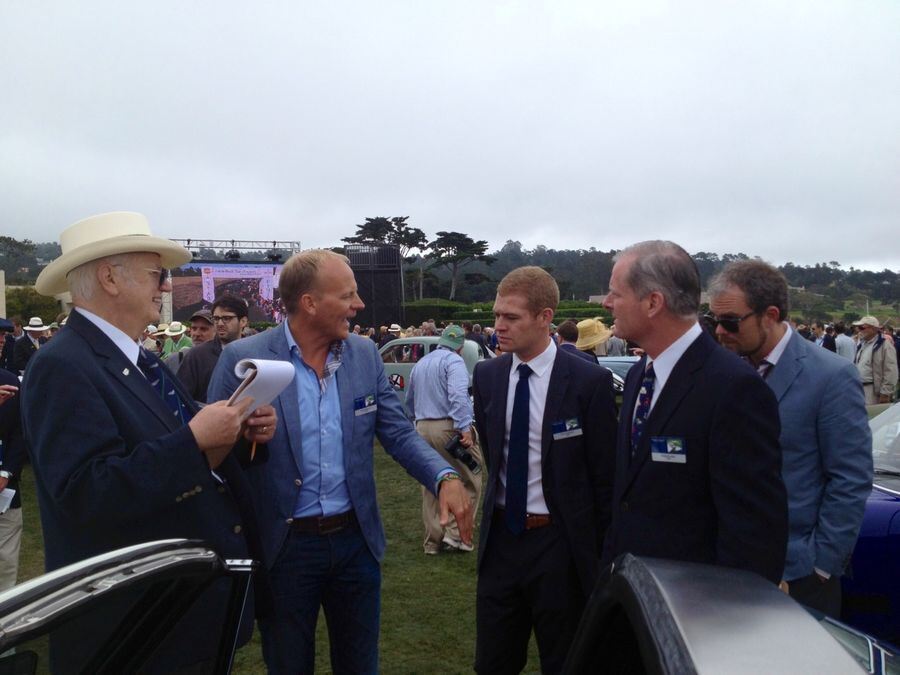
(197, 284)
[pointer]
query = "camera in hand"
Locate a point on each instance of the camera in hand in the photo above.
(456, 450)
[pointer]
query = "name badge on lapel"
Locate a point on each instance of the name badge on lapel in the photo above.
(668, 449)
(364, 405)
(567, 429)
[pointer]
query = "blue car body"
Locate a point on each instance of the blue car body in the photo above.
(871, 583)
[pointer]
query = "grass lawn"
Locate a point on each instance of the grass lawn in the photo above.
(428, 602)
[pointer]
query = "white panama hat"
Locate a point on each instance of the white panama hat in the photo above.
(35, 323)
(175, 328)
(104, 235)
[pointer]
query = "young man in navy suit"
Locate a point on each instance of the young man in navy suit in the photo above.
(698, 464)
(547, 423)
(825, 439)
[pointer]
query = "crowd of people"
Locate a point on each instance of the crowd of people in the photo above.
(741, 440)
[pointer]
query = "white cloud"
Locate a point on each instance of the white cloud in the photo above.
(767, 128)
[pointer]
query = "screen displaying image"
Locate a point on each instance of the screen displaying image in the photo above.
(197, 284)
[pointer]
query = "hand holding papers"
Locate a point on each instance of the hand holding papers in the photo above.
(6, 498)
(262, 381)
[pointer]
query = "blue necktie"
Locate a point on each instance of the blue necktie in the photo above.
(157, 378)
(643, 408)
(517, 460)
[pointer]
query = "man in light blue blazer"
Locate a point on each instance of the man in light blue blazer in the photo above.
(825, 437)
(322, 535)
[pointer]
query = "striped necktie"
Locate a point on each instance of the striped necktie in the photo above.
(645, 396)
(156, 376)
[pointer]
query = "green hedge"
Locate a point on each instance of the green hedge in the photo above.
(430, 308)
(483, 312)
(486, 319)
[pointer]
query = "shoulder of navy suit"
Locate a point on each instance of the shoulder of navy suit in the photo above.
(498, 363)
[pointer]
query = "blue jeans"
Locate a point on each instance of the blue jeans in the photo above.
(338, 573)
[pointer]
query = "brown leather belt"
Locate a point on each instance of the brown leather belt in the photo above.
(532, 520)
(323, 525)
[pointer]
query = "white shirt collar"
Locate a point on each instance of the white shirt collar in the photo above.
(665, 362)
(126, 344)
(540, 363)
(778, 349)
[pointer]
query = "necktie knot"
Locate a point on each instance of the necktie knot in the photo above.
(524, 371)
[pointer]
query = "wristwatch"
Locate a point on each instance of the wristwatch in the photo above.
(6, 474)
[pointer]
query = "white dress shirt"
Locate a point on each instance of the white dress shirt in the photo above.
(127, 345)
(538, 386)
(773, 356)
(665, 362)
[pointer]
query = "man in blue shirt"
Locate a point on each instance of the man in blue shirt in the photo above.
(315, 496)
(438, 399)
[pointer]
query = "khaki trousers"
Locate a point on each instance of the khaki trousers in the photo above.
(869, 394)
(437, 433)
(10, 537)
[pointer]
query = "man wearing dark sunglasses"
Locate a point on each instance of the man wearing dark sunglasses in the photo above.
(825, 440)
(698, 466)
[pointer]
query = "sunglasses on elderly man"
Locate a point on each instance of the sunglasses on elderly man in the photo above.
(732, 324)
(163, 274)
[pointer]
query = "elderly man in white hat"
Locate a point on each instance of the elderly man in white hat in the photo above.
(121, 454)
(876, 362)
(30, 342)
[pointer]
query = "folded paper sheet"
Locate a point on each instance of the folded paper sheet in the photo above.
(262, 381)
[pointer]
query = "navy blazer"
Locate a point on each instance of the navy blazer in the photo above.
(112, 466)
(23, 350)
(827, 455)
(726, 504)
(13, 455)
(276, 484)
(572, 349)
(576, 471)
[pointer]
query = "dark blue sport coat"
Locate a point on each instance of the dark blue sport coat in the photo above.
(114, 468)
(726, 504)
(572, 349)
(576, 471)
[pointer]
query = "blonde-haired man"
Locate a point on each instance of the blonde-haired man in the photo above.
(319, 519)
(547, 422)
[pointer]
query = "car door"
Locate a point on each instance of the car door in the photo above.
(123, 612)
(399, 357)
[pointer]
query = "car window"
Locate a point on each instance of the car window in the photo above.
(886, 439)
(619, 366)
(405, 353)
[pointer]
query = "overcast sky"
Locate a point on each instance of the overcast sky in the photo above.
(765, 127)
